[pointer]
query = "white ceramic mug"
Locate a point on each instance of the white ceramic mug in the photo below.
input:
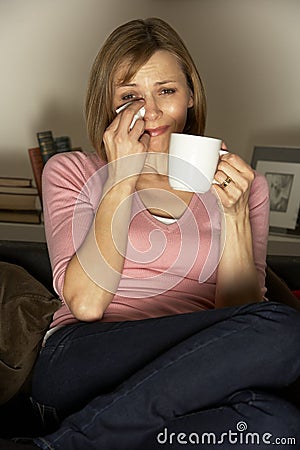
(193, 161)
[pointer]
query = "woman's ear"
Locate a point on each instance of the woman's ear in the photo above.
(191, 100)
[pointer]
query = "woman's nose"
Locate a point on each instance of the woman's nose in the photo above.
(152, 109)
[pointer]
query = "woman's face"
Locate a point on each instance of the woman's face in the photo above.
(162, 84)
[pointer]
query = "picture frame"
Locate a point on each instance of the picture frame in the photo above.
(281, 167)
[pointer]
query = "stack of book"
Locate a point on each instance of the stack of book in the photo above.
(19, 201)
(47, 147)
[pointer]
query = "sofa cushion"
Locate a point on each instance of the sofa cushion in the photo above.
(26, 309)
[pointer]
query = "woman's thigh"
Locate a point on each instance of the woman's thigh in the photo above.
(85, 360)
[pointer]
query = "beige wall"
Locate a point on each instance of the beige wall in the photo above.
(246, 50)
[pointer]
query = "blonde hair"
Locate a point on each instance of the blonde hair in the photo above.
(134, 43)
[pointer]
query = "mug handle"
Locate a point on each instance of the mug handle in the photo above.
(221, 153)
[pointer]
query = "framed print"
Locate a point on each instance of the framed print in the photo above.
(281, 167)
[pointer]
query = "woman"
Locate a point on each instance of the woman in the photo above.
(163, 335)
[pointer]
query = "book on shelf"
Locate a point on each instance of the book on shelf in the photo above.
(46, 144)
(20, 204)
(15, 181)
(50, 145)
(63, 144)
(19, 216)
(37, 165)
(18, 198)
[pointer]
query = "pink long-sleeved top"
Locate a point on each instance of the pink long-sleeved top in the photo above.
(169, 268)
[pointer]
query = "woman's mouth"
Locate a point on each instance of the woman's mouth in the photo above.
(153, 132)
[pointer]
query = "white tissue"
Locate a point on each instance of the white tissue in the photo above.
(139, 115)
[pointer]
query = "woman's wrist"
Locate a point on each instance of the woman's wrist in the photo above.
(123, 186)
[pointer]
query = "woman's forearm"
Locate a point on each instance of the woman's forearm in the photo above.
(237, 281)
(93, 274)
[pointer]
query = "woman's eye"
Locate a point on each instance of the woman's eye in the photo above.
(128, 97)
(167, 91)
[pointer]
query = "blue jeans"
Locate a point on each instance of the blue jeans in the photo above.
(128, 385)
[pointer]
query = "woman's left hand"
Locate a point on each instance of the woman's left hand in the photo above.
(235, 177)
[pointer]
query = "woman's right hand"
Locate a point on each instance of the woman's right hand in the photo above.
(126, 148)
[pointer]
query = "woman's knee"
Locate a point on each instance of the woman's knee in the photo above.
(273, 338)
(279, 322)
